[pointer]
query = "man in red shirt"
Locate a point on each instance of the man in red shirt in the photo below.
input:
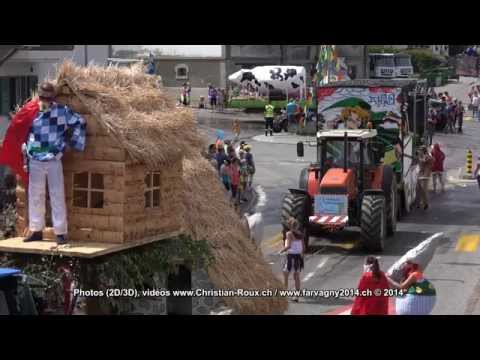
(437, 167)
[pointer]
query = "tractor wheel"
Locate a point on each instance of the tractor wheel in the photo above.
(303, 179)
(389, 187)
(298, 207)
(373, 222)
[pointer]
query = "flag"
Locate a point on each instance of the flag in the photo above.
(17, 132)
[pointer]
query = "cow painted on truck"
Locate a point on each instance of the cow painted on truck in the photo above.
(273, 79)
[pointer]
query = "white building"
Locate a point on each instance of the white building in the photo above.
(22, 67)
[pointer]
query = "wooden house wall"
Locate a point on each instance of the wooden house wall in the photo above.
(142, 222)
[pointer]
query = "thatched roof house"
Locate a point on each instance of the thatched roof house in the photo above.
(142, 175)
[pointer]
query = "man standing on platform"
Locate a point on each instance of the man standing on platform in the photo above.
(44, 148)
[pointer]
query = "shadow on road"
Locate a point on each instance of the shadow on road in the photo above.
(462, 264)
(327, 302)
(453, 280)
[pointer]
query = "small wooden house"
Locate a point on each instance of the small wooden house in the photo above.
(141, 179)
(112, 195)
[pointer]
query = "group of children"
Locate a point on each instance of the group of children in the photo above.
(235, 167)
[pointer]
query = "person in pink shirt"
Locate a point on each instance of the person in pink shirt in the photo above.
(437, 167)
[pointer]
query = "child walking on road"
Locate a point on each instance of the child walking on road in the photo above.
(437, 167)
(295, 249)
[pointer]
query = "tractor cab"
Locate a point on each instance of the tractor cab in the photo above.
(345, 154)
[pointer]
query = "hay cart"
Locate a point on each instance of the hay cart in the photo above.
(140, 188)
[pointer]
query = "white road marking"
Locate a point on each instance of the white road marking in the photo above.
(311, 273)
(262, 196)
(308, 276)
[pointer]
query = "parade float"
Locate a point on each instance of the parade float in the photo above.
(142, 203)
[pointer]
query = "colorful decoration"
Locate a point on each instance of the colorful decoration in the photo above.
(330, 66)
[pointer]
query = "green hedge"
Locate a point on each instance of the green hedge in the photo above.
(423, 60)
(258, 104)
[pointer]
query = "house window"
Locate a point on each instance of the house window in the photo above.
(181, 72)
(152, 190)
(88, 190)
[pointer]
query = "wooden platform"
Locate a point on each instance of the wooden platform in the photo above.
(75, 249)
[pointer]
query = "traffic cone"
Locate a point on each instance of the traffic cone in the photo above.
(469, 165)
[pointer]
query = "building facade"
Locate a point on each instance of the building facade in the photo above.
(201, 71)
(198, 71)
(249, 56)
(23, 66)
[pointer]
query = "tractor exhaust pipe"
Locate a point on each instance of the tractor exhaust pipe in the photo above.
(345, 152)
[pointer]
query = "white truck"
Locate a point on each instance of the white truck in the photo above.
(403, 66)
(382, 66)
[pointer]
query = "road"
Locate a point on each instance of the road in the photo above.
(455, 269)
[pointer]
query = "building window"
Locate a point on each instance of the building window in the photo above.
(181, 72)
(88, 190)
(152, 190)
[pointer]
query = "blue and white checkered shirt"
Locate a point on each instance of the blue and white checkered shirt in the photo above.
(46, 140)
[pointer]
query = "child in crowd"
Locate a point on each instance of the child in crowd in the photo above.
(225, 174)
(244, 174)
(234, 171)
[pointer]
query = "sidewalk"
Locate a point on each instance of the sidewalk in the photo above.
(286, 138)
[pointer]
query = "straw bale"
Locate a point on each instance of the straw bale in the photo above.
(108, 210)
(115, 237)
(110, 154)
(21, 204)
(49, 233)
(20, 224)
(113, 196)
(96, 166)
(85, 234)
(114, 183)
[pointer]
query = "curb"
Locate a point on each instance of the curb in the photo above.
(285, 139)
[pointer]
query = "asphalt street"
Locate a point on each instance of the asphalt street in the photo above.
(337, 263)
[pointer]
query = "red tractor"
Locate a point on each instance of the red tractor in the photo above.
(347, 186)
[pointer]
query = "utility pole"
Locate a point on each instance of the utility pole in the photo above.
(85, 52)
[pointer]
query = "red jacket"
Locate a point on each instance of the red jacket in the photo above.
(17, 132)
(438, 159)
(371, 305)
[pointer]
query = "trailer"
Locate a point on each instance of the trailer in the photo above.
(366, 171)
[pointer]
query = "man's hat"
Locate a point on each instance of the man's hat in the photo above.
(46, 90)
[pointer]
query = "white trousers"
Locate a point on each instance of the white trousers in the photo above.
(39, 172)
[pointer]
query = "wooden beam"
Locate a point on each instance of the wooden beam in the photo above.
(77, 249)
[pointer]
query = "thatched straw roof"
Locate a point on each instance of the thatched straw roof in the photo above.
(133, 108)
(238, 264)
(145, 120)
